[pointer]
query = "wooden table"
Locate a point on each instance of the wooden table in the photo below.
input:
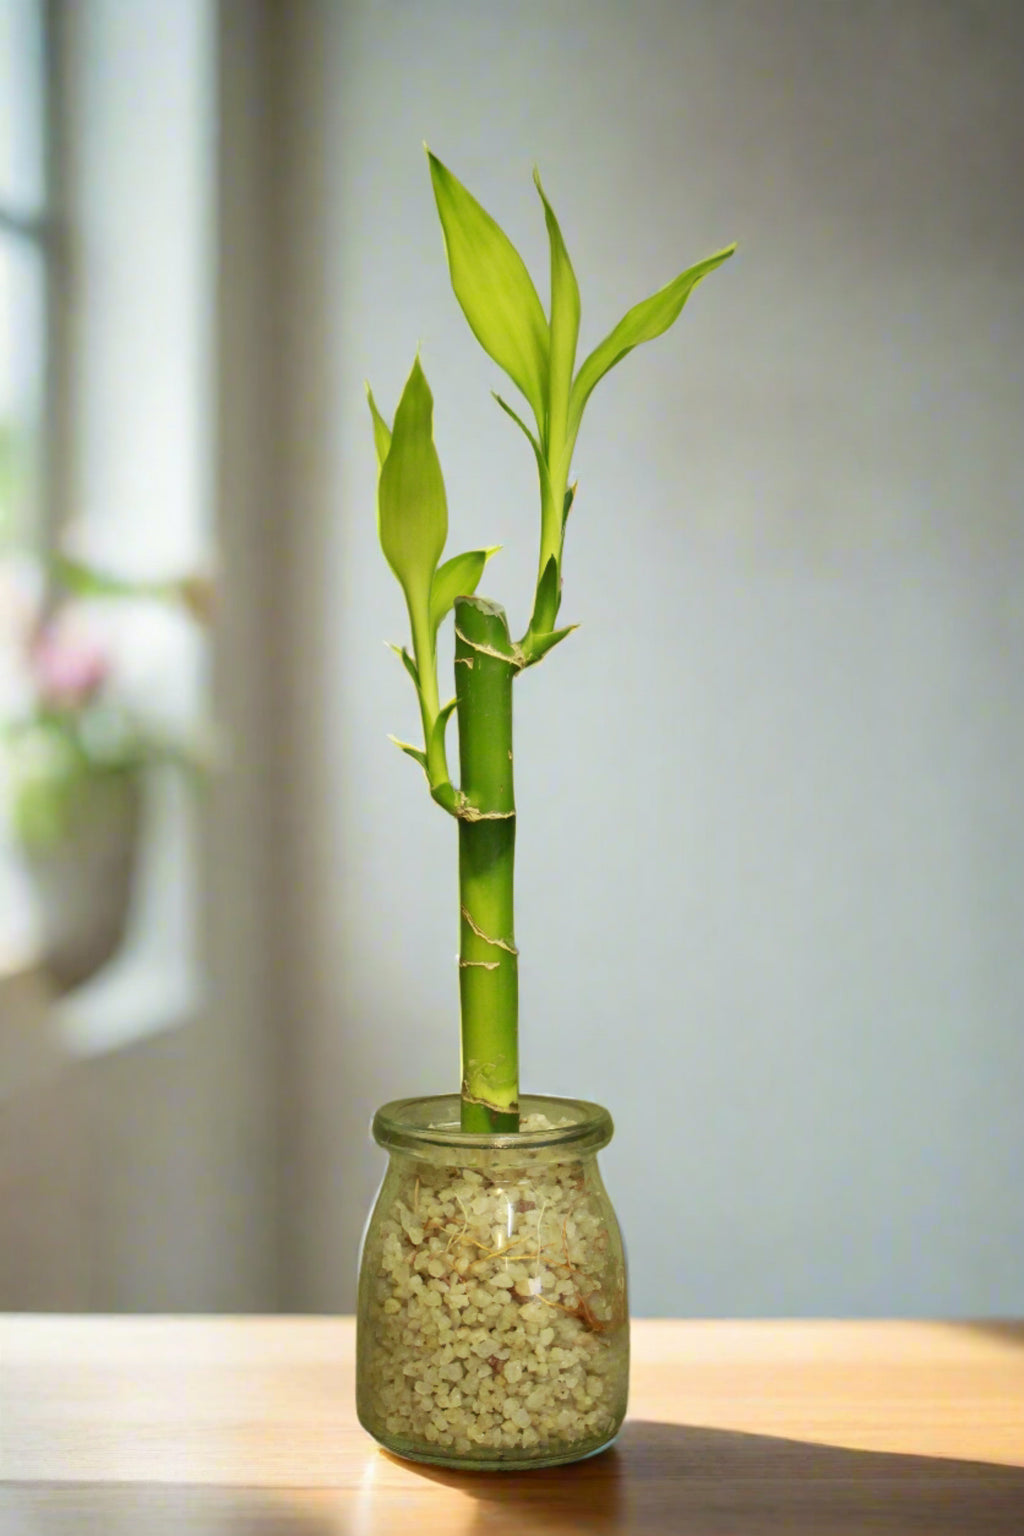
(245, 1427)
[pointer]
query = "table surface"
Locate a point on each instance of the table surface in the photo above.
(246, 1427)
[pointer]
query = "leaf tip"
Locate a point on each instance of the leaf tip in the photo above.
(407, 747)
(417, 377)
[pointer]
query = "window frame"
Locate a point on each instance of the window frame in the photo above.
(43, 231)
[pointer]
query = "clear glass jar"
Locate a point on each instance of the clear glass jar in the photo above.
(493, 1328)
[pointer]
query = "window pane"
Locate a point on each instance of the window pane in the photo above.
(21, 106)
(22, 334)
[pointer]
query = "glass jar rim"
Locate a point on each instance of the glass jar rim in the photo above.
(432, 1122)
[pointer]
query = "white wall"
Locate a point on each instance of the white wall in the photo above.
(770, 822)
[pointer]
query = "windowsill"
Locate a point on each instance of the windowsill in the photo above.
(130, 999)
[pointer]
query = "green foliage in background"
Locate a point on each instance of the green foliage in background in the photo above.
(60, 753)
(57, 758)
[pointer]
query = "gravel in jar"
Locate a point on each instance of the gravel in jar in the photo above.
(491, 1333)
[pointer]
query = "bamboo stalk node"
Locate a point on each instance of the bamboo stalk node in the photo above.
(498, 943)
(467, 812)
(516, 658)
(498, 1109)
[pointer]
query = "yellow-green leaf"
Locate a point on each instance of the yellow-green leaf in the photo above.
(407, 662)
(520, 423)
(440, 724)
(381, 430)
(547, 600)
(458, 577)
(493, 287)
(538, 645)
(643, 322)
(415, 753)
(413, 510)
(565, 312)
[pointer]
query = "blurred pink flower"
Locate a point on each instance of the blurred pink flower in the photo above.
(67, 668)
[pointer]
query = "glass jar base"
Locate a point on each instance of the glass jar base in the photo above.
(515, 1461)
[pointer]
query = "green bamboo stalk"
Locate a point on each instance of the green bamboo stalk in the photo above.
(538, 352)
(485, 665)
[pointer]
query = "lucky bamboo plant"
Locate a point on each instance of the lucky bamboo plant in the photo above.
(538, 352)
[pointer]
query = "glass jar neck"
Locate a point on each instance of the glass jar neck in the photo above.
(552, 1130)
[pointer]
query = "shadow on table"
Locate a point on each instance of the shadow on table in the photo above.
(692, 1481)
(1006, 1330)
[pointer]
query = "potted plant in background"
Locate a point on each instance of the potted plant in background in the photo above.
(492, 1322)
(76, 751)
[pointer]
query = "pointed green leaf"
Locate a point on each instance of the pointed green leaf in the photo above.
(458, 577)
(547, 601)
(520, 423)
(437, 733)
(410, 751)
(493, 287)
(643, 322)
(413, 511)
(565, 311)
(542, 468)
(570, 497)
(539, 645)
(407, 662)
(381, 430)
